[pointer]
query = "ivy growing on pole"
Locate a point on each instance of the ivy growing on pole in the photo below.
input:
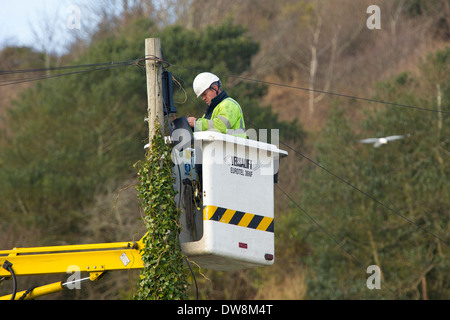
(162, 277)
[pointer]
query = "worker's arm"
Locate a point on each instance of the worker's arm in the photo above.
(224, 119)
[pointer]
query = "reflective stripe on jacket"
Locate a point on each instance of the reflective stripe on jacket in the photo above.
(227, 117)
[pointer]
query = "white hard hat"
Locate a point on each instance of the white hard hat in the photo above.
(203, 81)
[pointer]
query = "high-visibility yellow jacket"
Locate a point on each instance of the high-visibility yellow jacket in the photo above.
(224, 115)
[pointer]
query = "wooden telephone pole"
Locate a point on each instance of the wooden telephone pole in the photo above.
(154, 85)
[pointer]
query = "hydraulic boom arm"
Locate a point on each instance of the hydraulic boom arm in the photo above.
(92, 258)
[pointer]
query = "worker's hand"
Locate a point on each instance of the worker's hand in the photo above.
(191, 121)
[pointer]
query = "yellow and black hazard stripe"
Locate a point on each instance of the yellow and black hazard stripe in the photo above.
(238, 218)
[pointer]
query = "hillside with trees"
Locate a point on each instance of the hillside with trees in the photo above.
(311, 69)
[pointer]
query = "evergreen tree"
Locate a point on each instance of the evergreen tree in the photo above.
(66, 139)
(409, 176)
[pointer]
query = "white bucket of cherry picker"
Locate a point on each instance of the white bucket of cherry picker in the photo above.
(230, 225)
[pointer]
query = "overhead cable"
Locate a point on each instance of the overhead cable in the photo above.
(358, 189)
(320, 91)
(90, 68)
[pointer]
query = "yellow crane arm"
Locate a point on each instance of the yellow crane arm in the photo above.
(92, 258)
(37, 292)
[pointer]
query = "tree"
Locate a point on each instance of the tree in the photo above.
(70, 141)
(226, 51)
(68, 138)
(409, 176)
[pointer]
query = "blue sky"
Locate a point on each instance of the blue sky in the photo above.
(18, 19)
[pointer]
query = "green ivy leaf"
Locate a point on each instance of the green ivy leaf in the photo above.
(163, 276)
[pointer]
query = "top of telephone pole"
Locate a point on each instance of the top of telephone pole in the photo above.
(153, 57)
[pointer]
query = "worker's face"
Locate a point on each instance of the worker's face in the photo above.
(208, 95)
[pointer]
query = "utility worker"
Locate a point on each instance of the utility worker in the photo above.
(223, 114)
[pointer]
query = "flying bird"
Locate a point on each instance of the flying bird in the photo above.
(378, 142)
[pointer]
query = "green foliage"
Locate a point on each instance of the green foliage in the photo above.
(67, 138)
(20, 58)
(410, 176)
(219, 49)
(162, 277)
